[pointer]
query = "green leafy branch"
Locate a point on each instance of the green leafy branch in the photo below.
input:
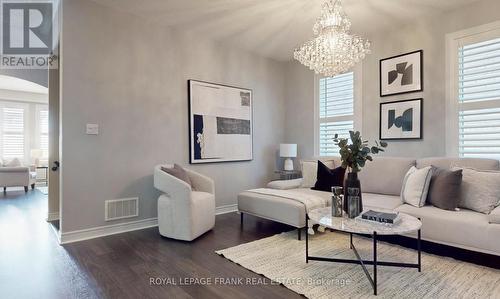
(355, 154)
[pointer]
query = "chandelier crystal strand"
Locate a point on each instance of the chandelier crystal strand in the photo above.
(333, 50)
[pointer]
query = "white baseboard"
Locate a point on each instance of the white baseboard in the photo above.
(101, 231)
(226, 209)
(106, 230)
(52, 216)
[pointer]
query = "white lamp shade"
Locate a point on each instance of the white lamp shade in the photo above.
(288, 150)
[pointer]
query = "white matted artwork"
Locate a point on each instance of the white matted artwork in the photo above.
(401, 119)
(220, 123)
(401, 74)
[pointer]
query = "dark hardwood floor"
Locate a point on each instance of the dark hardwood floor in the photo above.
(33, 265)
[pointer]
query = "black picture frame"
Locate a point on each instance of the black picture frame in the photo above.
(421, 60)
(420, 115)
(190, 82)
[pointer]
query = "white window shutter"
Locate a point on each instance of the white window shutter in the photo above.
(479, 99)
(13, 133)
(336, 111)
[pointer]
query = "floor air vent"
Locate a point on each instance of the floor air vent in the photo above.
(121, 208)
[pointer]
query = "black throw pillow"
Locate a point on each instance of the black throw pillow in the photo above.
(444, 189)
(328, 178)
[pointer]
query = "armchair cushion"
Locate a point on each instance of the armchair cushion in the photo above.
(13, 163)
(178, 172)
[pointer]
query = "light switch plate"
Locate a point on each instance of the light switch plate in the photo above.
(92, 129)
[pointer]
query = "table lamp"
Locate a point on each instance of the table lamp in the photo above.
(288, 151)
(36, 154)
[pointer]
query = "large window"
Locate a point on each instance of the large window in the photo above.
(13, 127)
(475, 95)
(43, 131)
(336, 111)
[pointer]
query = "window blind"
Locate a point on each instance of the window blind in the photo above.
(12, 133)
(44, 132)
(479, 99)
(336, 111)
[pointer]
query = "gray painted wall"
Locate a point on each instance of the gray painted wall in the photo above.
(130, 76)
(428, 35)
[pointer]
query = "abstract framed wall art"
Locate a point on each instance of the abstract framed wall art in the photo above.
(401, 74)
(401, 120)
(220, 123)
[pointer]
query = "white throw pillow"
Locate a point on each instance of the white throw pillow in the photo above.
(416, 186)
(13, 163)
(310, 171)
(480, 190)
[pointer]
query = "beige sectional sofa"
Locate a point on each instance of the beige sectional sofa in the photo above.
(381, 183)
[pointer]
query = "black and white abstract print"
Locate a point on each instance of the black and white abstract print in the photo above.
(220, 123)
(401, 119)
(401, 74)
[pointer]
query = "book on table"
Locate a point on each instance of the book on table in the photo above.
(380, 217)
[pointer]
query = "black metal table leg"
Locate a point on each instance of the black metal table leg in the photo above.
(307, 239)
(375, 263)
(298, 233)
(241, 219)
(419, 250)
(350, 244)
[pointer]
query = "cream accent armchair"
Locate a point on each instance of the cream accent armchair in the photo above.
(184, 214)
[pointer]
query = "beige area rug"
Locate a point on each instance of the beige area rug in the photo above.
(281, 258)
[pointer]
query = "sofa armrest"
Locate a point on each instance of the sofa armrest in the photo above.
(494, 216)
(15, 169)
(201, 182)
(171, 185)
(285, 184)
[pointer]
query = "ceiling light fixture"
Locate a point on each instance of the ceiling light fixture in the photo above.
(333, 50)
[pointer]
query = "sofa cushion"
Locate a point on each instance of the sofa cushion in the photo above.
(444, 190)
(310, 171)
(465, 228)
(416, 186)
(13, 163)
(380, 201)
(385, 175)
(447, 163)
(285, 184)
(328, 178)
(480, 190)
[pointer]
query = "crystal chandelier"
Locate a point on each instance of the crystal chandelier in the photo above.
(333, 50)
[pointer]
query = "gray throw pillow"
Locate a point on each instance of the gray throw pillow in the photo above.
(480, 190)
(444, 190)
(178, 172)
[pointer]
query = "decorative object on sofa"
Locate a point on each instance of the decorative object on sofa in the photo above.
(480, 190)
(333, 50)
(354, 156)
(401, 120)
(328, 178)
(337, 201)
(416, 186)
(444, 189)
(36, 154)
(220, 123)
(401, 74)
(288, 151)
(184, 214)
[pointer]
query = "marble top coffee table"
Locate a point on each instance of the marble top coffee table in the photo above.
(406, 224)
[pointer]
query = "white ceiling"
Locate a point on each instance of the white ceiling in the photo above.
(273, 28)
